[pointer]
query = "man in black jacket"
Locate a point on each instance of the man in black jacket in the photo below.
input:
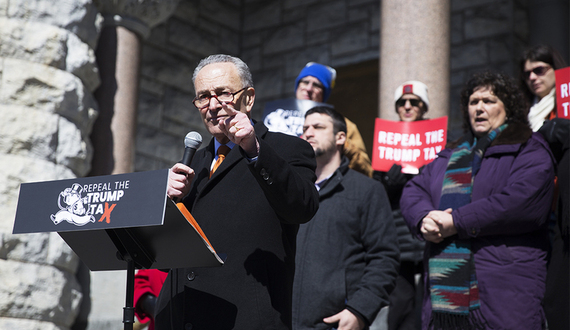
(250, 208)
(347, 255)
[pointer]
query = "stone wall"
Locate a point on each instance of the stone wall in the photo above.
(485, 35)
(47, 76)
(275, 38)
(166, 113)
(280, 37)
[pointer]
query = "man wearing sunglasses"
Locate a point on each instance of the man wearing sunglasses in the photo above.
(411, 101)
(249, 207)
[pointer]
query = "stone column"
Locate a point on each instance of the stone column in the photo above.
(414, 45)
(126, 22)
(113, 136)
(47, 77)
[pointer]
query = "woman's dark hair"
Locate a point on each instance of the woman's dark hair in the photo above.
(539, 53)
(502, 86)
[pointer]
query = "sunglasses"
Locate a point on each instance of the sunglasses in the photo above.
(539, 71)
(413, 102)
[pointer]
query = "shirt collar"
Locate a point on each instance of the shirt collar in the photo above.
(321, 183)
(217, 144)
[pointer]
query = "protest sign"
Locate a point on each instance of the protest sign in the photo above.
(563, 92)
(409, 144)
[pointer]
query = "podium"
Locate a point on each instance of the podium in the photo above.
(117, 222)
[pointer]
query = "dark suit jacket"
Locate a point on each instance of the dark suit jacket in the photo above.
(251, 212)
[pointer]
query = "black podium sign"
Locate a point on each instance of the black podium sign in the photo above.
(125, 214)
(101, 202)
(115, 222)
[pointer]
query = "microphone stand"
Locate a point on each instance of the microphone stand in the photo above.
(129, 249)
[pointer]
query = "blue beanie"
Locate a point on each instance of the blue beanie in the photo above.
(325, 74)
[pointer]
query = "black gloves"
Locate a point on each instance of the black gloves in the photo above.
(557, 133)
(556, 130)
(395, 177)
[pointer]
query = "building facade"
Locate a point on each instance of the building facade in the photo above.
(90, 87)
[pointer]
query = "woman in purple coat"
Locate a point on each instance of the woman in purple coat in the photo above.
(482, 206)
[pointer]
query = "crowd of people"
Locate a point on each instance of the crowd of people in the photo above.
(315, 239)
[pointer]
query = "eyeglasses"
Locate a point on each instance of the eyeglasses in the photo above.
(204, 99)
(413, 102)
(539, 71)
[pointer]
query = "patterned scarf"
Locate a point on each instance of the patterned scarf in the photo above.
(453, 284)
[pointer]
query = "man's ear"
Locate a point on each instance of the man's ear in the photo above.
(340, 138)
(248, 99)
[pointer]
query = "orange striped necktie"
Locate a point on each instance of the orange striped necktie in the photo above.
(222, 152)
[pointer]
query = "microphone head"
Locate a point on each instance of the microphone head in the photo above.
(193, 140)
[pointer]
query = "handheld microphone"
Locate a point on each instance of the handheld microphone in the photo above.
(192, 141)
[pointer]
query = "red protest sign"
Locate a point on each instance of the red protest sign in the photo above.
(563, 92)
(410, 144)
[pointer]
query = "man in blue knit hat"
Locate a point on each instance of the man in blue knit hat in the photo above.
(315, 82)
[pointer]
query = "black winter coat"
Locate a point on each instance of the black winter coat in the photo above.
(347, 255)
(251, 212)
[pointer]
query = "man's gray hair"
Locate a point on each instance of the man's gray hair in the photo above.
(242, 68)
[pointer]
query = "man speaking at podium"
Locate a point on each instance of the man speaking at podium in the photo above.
(249, 208)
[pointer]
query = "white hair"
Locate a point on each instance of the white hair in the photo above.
(242, 68)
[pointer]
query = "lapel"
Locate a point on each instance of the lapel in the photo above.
(204, 166)
(232, 159)
(330, 185)
(335, 180)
